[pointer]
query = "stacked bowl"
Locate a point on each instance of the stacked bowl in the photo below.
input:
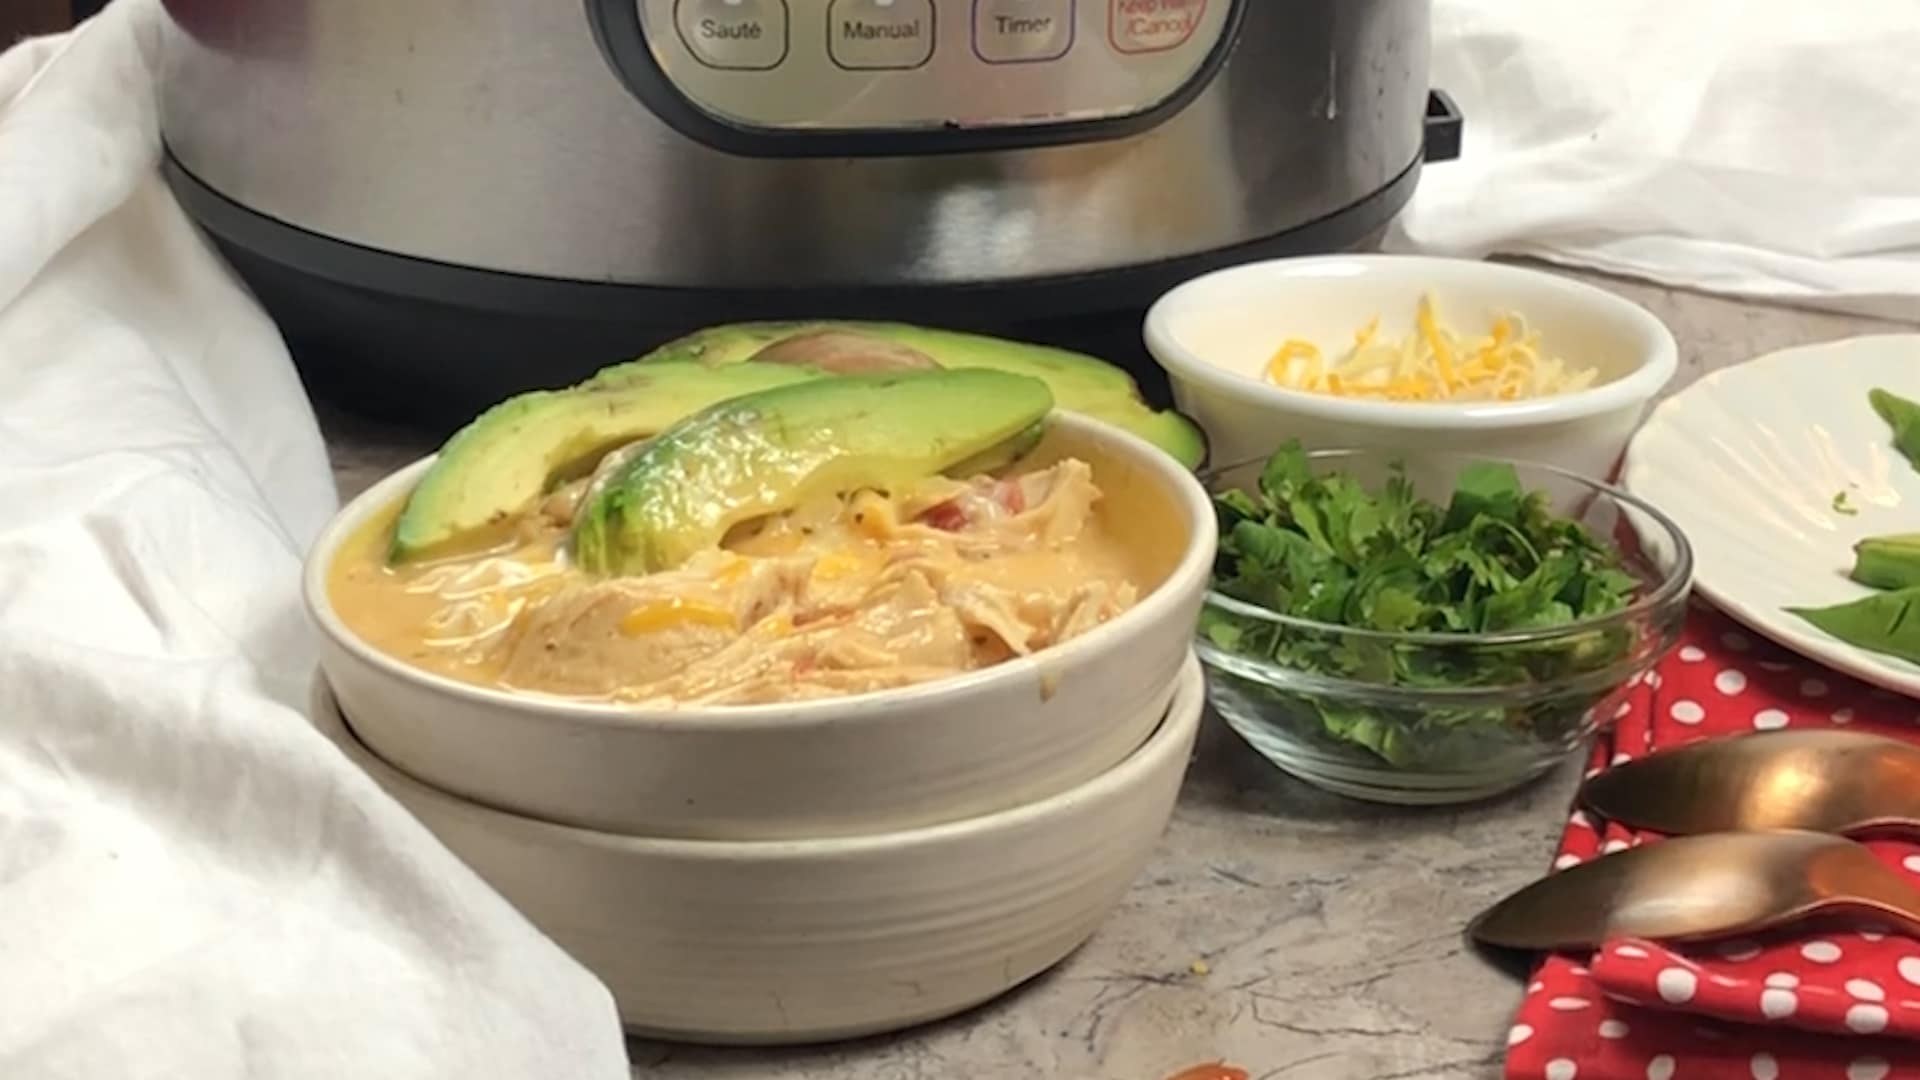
(822, 869)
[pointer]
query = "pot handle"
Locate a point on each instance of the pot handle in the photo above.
(1443, 128)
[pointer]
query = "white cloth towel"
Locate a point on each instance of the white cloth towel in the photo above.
(193, 881)
(1763, 148)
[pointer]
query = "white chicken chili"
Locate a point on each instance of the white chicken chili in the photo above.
(852, 593)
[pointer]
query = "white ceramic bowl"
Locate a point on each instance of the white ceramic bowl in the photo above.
(807, 940)
(896, 759)
(1215, 334)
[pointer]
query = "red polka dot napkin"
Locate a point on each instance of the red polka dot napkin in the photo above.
(1818, 1002)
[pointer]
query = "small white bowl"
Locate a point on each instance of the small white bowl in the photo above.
(1215, 334)
(809, 940)
(940, 751)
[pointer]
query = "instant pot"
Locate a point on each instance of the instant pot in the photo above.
(445, 201)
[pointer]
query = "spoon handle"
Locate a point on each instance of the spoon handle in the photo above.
(1831, 781)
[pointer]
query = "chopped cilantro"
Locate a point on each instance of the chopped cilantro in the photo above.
(1841, 505)
(1495, 558)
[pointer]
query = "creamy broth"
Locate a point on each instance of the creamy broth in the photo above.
(850, 594)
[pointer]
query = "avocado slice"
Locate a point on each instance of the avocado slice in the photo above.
(775, 449)
(1080, 383)
(518, 450)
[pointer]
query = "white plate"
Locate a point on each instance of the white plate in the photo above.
(1748, 461)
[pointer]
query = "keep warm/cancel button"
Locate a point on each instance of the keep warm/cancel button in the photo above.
(1143, 26)
(879, 34)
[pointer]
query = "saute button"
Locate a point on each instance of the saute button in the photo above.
(1022, 31)
(877, 34)
(740, 35)
(1144, 26)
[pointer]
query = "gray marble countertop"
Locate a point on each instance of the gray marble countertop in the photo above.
(1329, 931)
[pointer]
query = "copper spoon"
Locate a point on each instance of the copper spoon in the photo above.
(1824, 781)
(1696, 887)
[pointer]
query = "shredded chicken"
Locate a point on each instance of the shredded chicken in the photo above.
(845, 595)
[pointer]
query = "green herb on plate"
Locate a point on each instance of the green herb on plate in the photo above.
(1903, 417)
(1885, 622)
(1887, 562)
(1495, 558)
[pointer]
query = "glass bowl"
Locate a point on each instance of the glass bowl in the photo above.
(1432, 718)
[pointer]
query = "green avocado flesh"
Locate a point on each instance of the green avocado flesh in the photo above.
(773, 450)
(1079, 383)
(518, 450)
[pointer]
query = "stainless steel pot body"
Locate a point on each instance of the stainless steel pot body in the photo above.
(497, 136)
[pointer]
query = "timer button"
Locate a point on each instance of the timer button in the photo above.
(872, 35)
(1022, 31)
(1149, 26)
(737, 35)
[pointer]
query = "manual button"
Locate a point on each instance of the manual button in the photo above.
(739, 35)
(880, 34)
(1022, 31)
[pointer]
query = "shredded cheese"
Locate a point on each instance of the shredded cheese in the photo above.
(873, 516)
(1431, 364)
(835, 565)
(735, 568)
(655, 615)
